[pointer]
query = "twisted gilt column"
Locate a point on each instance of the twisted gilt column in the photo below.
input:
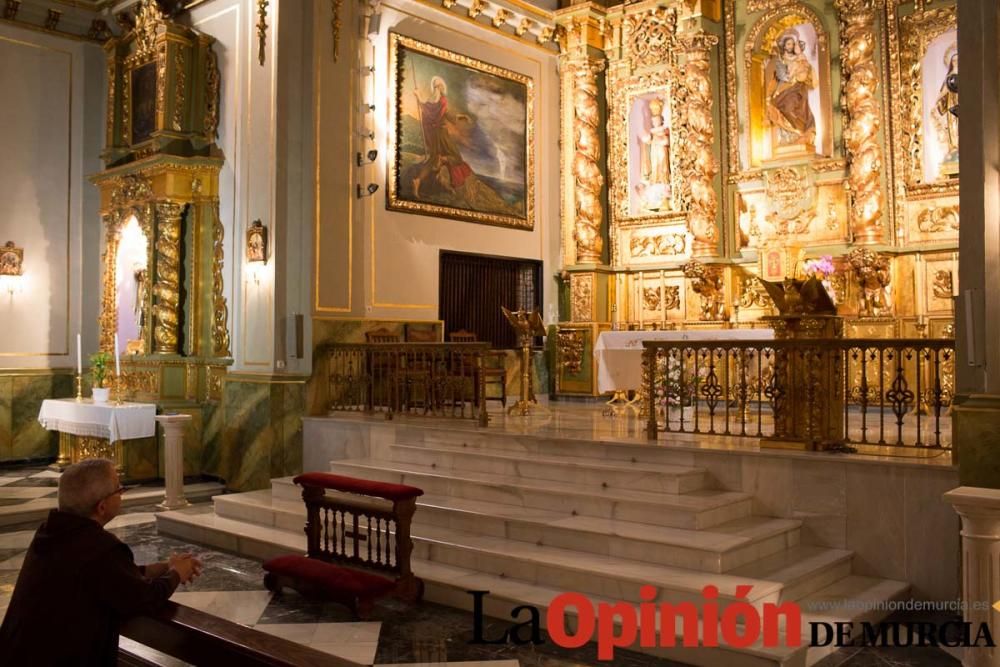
(589, 181)
(861, 135)
(700, 138)
(167, 287)
(220, 311)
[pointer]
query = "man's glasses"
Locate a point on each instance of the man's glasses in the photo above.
(120, 489)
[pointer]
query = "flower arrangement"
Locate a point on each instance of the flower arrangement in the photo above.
(820, 268)
(99, 367)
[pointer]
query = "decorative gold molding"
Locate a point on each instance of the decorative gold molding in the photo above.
(657, 245)
(938, 219)
(942, 287)
(582, 297)
(477, 7)
(752, 294)
(335, 24)
(180, 81)
(220, 310)
(261, 30)
(589, 181)
(916, 31)
(212, 87)
(569, 345)
(861, 135)
(501, 17)
(167, 287)
(699, 138)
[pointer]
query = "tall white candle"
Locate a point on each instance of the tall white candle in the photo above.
(118, 370)
(79, 357)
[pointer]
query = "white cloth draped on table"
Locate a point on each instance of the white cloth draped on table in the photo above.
(99, 420)
(619, 353)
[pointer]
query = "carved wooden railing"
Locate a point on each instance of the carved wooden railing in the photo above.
(434, 379)
(199, 638)
(886, 392)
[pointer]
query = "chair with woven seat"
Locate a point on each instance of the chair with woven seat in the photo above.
(494, 367)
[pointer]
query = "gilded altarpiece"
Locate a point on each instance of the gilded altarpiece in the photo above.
(743, 144)
(163, 246)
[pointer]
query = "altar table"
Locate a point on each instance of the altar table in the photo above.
(619, 353)
(98, 430)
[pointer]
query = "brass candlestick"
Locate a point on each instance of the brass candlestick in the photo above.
(79, 387)
(118, 389)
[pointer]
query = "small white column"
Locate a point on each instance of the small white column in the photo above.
(173, 460)
(979, 509)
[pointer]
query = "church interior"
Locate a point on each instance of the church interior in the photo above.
(376, 303)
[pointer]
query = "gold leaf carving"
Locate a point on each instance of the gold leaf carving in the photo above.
(570, 347)
(220, 311)
(699, 127)
(752, 294)
(872, 274)
(656, 245)
(582, 294)
(861, 135)
(943, 287)
(589, 181)
(707, 282)
(167, 287)
(938, 219)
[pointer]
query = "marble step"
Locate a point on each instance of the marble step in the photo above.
(447, 584)
(798, 570)
(719, 549)
(522, 444)
(695, 510)
(581, 471)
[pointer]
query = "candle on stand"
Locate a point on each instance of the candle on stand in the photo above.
(118, 370)
(79, 357)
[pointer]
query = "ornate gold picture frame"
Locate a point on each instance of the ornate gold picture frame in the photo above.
(11, 259)
(461, 141)
(788, 89)
(918, 33)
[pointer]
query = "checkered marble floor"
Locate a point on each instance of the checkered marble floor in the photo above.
(425, 635)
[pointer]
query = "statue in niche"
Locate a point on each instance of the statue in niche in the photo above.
(947, 122)
(655, 157)
(873, 272)
(791, 77)
(140, 275)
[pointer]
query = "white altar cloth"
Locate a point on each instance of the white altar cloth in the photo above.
(619, 353)
(98, 420)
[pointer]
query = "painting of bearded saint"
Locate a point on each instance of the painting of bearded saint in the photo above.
(461, 142)
(790, 78)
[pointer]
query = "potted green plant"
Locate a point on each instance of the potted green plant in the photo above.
(99, 370)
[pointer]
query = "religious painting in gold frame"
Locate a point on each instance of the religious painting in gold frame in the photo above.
(787, 66)
(461, 141)
(11, 259)
(927, 139)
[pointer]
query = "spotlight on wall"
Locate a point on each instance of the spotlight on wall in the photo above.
(367, 192)
(374, 23)
(370, 155)
(11, 269)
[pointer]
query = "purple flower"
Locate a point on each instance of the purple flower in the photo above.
(820, 268)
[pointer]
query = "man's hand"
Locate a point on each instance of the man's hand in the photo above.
(186, 566)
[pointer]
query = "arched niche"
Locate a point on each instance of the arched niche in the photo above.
(129, 264)
(787, 59)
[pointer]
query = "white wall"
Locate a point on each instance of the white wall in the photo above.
(51, 134)
(389, 259)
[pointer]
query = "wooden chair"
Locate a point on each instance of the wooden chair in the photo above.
(494, 369)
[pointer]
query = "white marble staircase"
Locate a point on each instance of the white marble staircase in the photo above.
(530, 525)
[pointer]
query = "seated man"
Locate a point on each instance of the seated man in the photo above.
(79, 581)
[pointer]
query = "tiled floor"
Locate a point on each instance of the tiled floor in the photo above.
(232, 587)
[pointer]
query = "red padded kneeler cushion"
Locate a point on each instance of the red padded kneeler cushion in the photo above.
(363, 487)
(332, 579)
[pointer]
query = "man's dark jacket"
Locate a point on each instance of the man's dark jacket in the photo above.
(77, 582)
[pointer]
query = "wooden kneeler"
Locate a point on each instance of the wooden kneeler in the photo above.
(358, 548)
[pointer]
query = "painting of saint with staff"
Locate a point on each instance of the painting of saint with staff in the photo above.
(461, 147)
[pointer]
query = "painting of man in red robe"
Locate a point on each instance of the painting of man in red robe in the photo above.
(461, 138)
